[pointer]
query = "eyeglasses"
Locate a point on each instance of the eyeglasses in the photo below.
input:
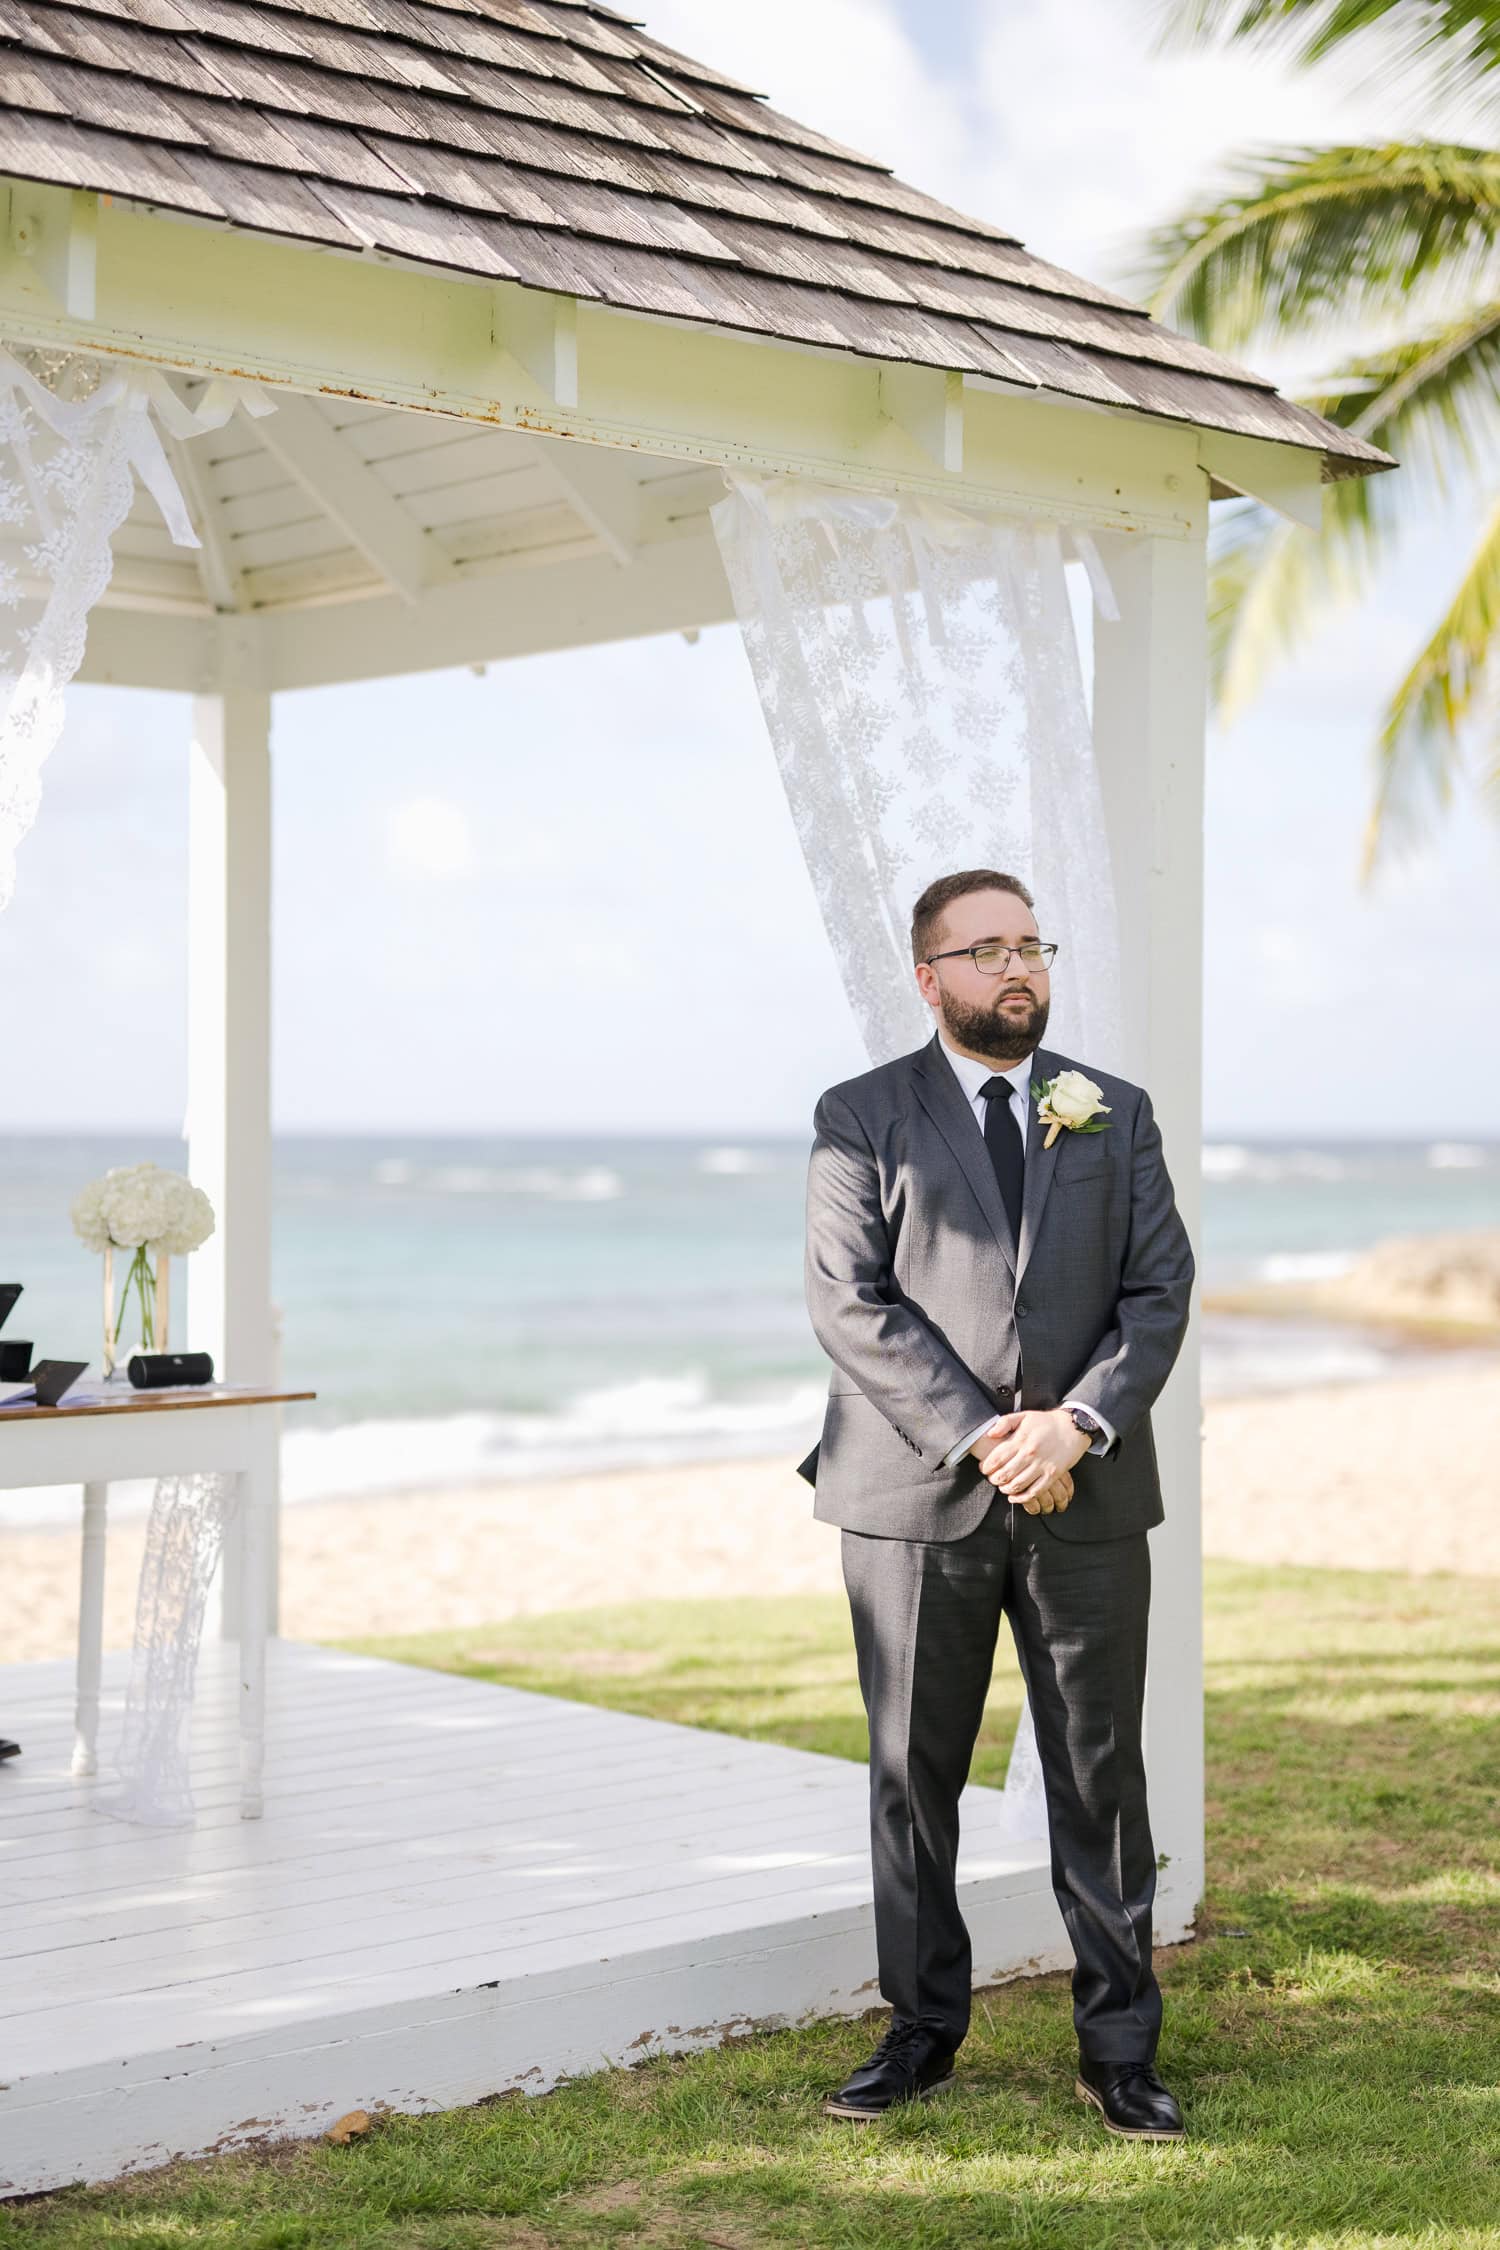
(994, 960)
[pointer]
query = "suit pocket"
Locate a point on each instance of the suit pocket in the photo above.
(1085, 1170)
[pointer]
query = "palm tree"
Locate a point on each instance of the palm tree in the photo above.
(1402, 236)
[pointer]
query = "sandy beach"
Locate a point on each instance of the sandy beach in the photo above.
(1367, 1475)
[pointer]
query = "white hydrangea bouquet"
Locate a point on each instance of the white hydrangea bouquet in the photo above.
(140, 1207)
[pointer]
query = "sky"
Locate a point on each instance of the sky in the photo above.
(567, 895)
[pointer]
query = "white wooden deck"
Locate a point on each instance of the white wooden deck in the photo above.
(456, 1888)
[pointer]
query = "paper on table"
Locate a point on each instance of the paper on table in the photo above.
(80, 1392)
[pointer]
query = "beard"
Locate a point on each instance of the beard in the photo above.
(1000, 1034)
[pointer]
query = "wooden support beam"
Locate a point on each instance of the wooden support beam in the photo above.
(1284, 477)
(151, 649)
(56, 231)
(326, 464)
(1150, 700)
(540, 332)
(603, 486)
(676, 586)
(488, 617)
(928, 404)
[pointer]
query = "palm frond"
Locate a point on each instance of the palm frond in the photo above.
(1264, 596)
(1454, 45)
(1270, 583)
(1299, 235)
(1419, 749)
(1434, 401)
(1241, 540)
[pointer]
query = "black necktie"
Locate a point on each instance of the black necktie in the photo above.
(1002, 1137)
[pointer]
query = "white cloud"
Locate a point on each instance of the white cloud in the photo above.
(1112, 136)
(526, 849)
(848, 67)
(429, 839)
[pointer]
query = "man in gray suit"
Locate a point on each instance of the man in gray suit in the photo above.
(961, 1253)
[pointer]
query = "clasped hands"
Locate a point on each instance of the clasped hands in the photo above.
(1029, 1456)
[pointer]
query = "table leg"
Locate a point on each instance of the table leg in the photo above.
(255, 1526)
(90, 1631)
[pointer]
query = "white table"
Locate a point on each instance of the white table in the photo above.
(154, 1434)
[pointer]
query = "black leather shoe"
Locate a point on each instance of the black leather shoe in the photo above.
(1131, 2099)
(912, 2063)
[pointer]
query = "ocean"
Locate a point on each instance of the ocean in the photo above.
(500, 1306)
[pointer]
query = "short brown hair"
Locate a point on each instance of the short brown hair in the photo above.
(927, 914)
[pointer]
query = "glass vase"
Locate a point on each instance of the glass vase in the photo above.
(145, 1307)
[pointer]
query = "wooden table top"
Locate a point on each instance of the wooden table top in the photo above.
(179, 1396)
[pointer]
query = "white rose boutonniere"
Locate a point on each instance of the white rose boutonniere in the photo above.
(1069, 1099)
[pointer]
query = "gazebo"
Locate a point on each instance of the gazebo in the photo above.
(523, 287)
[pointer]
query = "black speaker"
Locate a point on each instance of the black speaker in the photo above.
(152, 1371)
(15, 1359)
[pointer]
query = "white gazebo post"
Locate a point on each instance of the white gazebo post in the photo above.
(1150, 681)
(229, 1053)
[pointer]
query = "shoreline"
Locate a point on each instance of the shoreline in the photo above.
(1340, 1475)
(1322, 1302)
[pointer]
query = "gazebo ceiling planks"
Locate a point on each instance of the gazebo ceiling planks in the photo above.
(555, 144)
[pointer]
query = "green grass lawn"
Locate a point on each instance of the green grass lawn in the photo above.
(1334, 2034)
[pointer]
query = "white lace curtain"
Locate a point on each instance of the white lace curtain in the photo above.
(75, 433)
(190, 1515)
(919, 674)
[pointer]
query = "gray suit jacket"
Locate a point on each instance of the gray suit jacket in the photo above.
(935, 1317)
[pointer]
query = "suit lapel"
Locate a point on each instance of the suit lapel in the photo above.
(942, 1097)
(1041, 1162)
(946, 1104)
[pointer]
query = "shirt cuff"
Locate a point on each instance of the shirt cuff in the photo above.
(1100, 1444)
(956, 1453)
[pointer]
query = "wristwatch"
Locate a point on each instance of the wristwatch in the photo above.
(1083, 1420)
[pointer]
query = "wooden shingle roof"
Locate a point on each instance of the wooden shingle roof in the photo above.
(555, 144)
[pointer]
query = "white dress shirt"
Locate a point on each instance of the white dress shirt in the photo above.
(971, 1075)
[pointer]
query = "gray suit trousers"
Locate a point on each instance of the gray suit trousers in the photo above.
(926, 1620)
